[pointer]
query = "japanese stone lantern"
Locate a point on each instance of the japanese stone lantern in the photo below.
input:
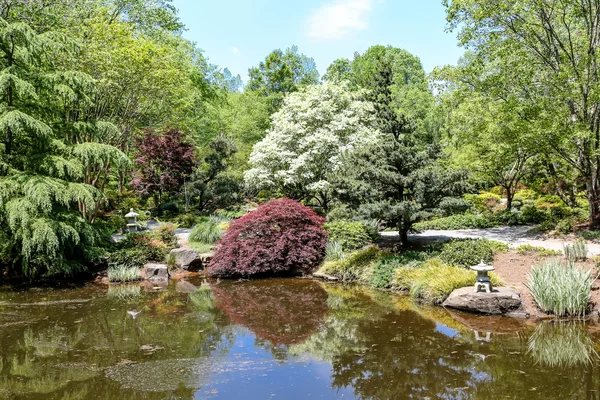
(131, 216)
(483, 280)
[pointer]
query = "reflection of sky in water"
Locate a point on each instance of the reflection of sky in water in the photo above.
(257, 375)
(441, 328)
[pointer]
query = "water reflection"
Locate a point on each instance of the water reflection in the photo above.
(282, 312)
(563, 344)
(288, 338)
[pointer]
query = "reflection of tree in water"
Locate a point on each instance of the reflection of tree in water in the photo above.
(562, 344)
(281, 311)
(67, 348)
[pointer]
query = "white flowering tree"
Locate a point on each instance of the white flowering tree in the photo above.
(310, 132)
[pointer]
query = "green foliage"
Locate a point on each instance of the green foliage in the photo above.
(434, 281)
(466, 253)
(590, 235)
(559, 288)
(383, 271)
(334, 250)
(122, 273)
(139, 248)
(541, 251)
(352, 267)
(484, 201)
(461, 221)
(210, 231)
(186, 220)
(576, 251)
(350, 235)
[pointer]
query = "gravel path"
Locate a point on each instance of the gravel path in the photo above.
(514, 236)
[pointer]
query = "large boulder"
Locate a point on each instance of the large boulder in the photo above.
(156, 273)
(187, 259)
(501, 301)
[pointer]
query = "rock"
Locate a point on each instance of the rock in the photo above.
(187, 259)
(321, 275)
(185, 287)
(154, 287)
(500, 301)
(156, 273)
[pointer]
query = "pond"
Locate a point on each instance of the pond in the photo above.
(281, 338)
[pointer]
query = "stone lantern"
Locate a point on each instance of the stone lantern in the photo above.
(132, 225)
(483, 281)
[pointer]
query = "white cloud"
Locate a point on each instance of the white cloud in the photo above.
(338, 19)
(235, 51)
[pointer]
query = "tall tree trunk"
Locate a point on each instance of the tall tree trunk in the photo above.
(593, 199)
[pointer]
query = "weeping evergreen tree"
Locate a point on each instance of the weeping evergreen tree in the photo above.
(51, 167)
(398, 178)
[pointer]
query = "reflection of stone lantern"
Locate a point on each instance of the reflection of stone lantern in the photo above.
(483, 281)
(132, 225)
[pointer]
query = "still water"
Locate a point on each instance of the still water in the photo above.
(278, 339)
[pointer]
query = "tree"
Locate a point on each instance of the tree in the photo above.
(164, 160)
(339, 70)
(282, 73)
(544, 56)
(302, 149)
(49, 176)
(209, 185)
(397, 178)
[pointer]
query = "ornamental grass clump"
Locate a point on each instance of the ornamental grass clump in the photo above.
(561, 288)
(576, 252)
(354, 265)
(334, 251)
(562, 344)
(123, 273)
(281, 237)
(469, 252)
(210, 231)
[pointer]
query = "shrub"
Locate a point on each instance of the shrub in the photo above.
(351, 235)
(452, 205)
(383, 271)
(334, 251)
(279, 237)
(211, 230)
(352, 267)
(561, 288)
(541, 251)
(139, 248)
(525, 194)
(549, 202)
(484, 201)
(186, 220)
(466, 253)
(434, 281)
(461, 221)
(121, 273)
(590, 235)
(576, 252)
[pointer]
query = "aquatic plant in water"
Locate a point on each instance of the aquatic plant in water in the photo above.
(562, 344)
(561, 288)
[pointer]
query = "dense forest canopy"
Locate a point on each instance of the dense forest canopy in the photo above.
(105, 106)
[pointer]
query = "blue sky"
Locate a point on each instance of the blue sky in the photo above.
(238, 34)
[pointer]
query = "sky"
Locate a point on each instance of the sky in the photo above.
(238, 34)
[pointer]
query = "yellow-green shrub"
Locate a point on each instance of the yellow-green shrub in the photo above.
(434, 281)
(484, 201)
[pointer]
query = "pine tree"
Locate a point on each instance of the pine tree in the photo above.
(49, 184)
(397, 179)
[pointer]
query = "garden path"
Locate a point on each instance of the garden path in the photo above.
(514, 236)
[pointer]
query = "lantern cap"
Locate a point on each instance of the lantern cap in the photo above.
(482, 267)
(132, 214)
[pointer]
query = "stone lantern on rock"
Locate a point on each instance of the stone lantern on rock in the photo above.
(131, 216)
(483, 280)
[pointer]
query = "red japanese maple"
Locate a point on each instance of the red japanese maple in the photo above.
(163, 161)
(281, 237)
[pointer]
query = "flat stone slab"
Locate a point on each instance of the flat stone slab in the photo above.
(501, 301)
(187, 259)
(156, 273)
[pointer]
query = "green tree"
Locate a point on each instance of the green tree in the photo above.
(398, 178)
(47, 192)
(544, 57)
